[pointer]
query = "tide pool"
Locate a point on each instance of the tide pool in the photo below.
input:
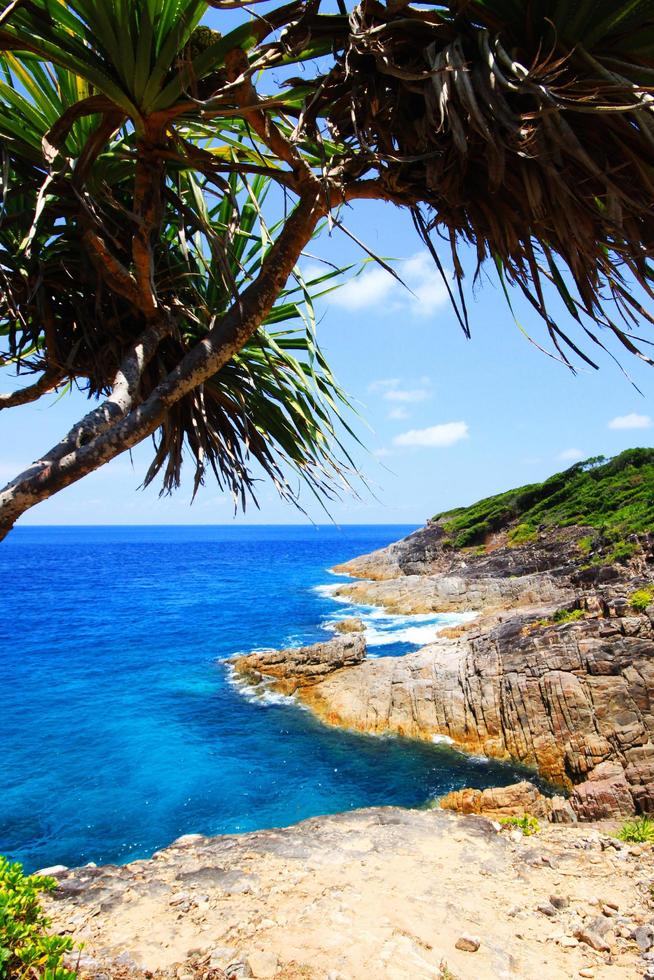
(119, 727)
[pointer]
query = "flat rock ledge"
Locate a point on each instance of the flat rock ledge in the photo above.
(384, 893)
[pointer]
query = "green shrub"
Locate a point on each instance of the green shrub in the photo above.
(528, 825)
(522, 534)
(615, 498)
(622, 552)
(641, 599)
(640, 830)
(26, 949)
(586, 544)
(567, 615)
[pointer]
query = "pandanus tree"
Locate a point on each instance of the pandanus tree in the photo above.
(137, 148)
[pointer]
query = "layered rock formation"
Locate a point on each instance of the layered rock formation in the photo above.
(413, 594)
(573, 699)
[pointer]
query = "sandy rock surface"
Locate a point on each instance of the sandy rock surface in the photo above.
(381, 893)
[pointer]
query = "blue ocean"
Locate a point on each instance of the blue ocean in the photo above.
(120, 728)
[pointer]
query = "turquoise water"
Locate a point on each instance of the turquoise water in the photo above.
(119, 727)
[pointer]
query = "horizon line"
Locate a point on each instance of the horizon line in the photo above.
(335, 524)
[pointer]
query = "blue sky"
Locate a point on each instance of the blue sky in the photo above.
(445, 420)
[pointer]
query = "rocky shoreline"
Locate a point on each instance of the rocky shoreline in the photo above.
(556, 672)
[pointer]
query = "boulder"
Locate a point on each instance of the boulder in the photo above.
(352, 624)
(499, 801)
(604, 795)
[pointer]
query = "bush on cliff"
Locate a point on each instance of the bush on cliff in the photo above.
(26, 949)
(616, 497)
(641, 599)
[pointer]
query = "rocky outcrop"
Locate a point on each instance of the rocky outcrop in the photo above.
(427, 552)
(516, 800)
(301, 667)
(351, 624)
(411, 594)
(573, 700)
(384, 893)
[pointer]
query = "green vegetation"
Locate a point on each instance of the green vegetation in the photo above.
(522, 534)
(560, 617)
(616, 497)
(567, 615)
(640, 830)
(528, 825)
(26, 949)
(642, 598)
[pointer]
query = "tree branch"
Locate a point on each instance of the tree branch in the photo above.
(112, 428)
(47, 382)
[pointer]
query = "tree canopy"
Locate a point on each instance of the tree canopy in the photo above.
(138, 145)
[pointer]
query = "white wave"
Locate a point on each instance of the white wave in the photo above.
(442, 740)
(418, 630)
(261, 693)
(418, 635)
(331, 571)
(327, 592)
(326, 589)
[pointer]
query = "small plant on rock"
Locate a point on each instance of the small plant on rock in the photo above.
(522, 534)
(527, 824)
(640, 830)
(567, 615)
(641, 599)
(27, 952)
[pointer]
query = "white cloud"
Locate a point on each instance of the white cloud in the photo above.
(382, 453)
(407, 395)
(370, 288)
(398, 414)
(632, 421)
(383, 384)
(570, 455)
(374, 288)
(436, 436)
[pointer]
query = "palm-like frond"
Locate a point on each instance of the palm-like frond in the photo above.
(525, 130)
(276, 403)
(137, 149)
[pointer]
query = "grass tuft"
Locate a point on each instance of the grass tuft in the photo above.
(640, 830)
(527, 824)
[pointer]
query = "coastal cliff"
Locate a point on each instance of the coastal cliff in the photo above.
(556, 671)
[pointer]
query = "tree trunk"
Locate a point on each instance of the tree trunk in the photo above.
(105, 438)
